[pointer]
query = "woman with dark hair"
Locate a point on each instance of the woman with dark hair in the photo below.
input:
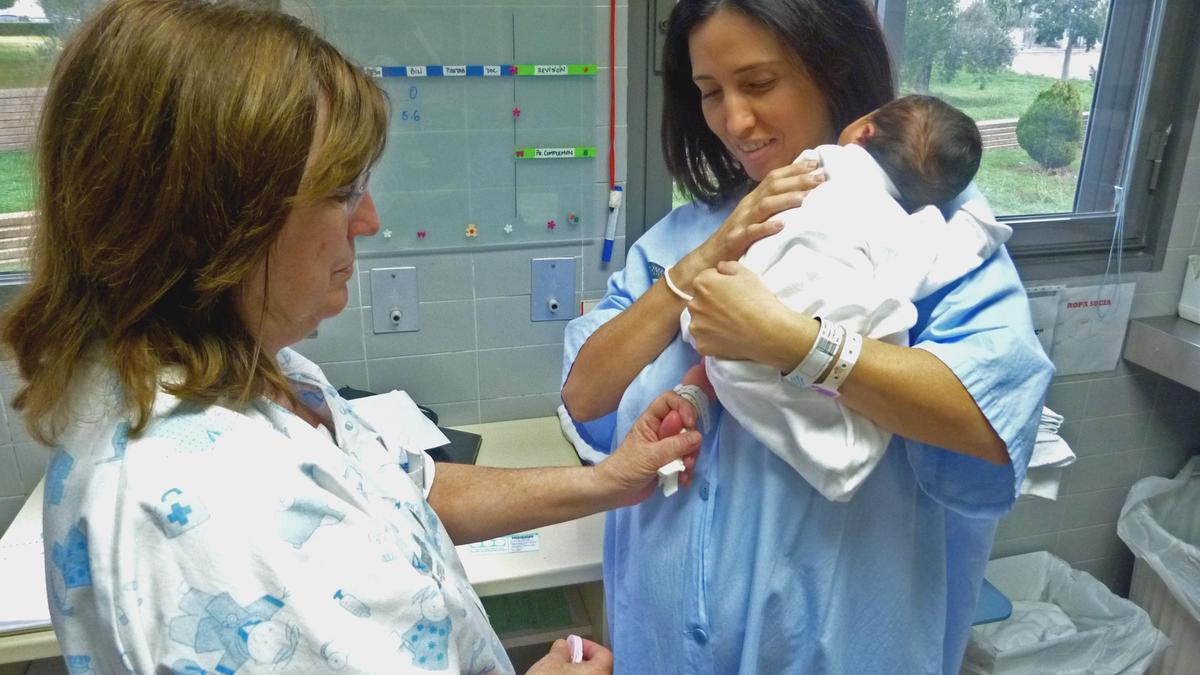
(755, 572)
(212, 504)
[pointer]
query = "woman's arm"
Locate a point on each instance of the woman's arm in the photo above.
(618, 351)
(477, 503)
(905, 390)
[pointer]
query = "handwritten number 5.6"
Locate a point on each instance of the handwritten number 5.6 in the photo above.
(410, 115)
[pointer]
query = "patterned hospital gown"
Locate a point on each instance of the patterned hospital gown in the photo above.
(243, 540)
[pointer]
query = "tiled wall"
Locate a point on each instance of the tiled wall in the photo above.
(478, 357)
(1123, 426)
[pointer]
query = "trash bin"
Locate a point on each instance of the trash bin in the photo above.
(1160, 523)
(1064, 621)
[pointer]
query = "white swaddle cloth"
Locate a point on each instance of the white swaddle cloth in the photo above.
(852, 255)
(1051, 454)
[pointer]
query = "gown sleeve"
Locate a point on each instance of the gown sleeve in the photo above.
(980, 327)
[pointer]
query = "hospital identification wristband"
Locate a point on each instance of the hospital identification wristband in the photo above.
(675, 289)
(845, 363)
(824, 348)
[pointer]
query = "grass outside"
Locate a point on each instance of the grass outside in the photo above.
(1016, 185)
(24, 62)
(16, 182)
(1006, 95)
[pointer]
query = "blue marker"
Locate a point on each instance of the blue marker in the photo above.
(615, 197)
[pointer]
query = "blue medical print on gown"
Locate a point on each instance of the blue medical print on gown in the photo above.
(71, 558)
(56, 476)
(177, 512)
(120, 441)
(217, 623)
(78, 664)
(190, 426)
(428, 639)
(237, 538)
(300, 518)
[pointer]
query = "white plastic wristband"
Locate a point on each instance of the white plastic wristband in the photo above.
(675, 289)
(699, 400)
(845, 363)
(820, 355)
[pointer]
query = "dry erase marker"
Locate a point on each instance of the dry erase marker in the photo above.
(576, 644)
(615, 197)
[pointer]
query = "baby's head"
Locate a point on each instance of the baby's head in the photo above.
(929, 148)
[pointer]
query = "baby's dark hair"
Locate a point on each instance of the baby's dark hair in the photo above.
(929, 149)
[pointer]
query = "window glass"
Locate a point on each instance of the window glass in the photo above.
(1026, 71)
(31, 35)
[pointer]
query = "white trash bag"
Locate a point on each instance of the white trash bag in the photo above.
(1160, 523)
(1064, 622)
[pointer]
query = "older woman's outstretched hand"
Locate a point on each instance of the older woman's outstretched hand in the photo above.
(735, 316)
(596, 660)
(782, 189)
(631, 473)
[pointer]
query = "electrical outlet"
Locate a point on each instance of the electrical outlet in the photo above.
(394, 307)
(553, 290)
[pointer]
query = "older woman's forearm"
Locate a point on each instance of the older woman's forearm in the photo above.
(614, 355)
(476, 503)
(910, 392)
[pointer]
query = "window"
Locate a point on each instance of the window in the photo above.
(28, 48)
(1121, 70)
(1020, 67)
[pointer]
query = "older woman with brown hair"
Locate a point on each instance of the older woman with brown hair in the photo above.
(212, 504)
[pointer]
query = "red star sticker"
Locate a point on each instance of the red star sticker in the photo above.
(512, 70)
(520, 153)
(420, 234)
(551, 224)
(516, 112)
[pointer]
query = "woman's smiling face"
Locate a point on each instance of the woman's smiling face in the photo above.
(755, 95)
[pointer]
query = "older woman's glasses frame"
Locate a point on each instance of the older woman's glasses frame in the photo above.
(351, 195)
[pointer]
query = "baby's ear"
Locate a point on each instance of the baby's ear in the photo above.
(867, 131)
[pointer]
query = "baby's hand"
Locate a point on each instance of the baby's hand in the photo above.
(671, 425)
(698, 376)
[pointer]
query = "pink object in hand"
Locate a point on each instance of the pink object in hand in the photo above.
(575, 643)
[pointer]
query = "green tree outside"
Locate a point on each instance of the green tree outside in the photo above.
(927, 31)
(1051, 130)
(1080, 23)
(979, 45)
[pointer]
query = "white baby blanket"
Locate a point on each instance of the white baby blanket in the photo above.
(849, 254)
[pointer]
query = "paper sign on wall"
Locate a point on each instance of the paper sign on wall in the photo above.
(1043, 308)
(1091, 327)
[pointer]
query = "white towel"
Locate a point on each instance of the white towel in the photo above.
(585, 451)
(1050, 454)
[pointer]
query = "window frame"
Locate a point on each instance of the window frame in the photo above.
(1043, 246)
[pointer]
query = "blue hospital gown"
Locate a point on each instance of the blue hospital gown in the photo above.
(752, 570)
(243, 540)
